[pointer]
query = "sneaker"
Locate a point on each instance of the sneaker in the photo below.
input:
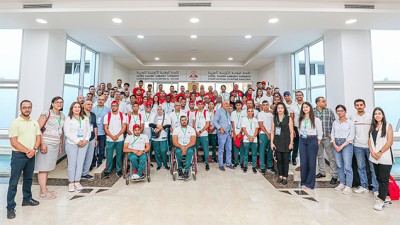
(235, 165)
(340, 187)
(88, 177)
(151, 165)
(347, 190)
(135, 177)
(241, 166)
(279, 180)
(142, 176)
(106, 175)
(254, 170)
(119, 174)
(333, 181)
(284, 181)
(263, 171)
(207, 167)
(186, 175)
(230, 167)
(222, 168)
(379, 204)
(271, 170)
(10, 213)
(361, 190)
(245, 170)
(319, 175)
(376, 193)
(31, 202)
(167, 167)
(180, 174)
(158, 168)
(78, 186)
(71, 187)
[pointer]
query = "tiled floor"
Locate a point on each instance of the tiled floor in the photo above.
(229, 197)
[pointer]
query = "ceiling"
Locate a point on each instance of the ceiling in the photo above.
(221, 30)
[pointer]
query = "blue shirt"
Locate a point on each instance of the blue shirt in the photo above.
(222, 119)
(100, 113)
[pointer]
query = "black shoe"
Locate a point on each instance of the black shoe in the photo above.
(31, 202)
(245, 170)
(207, 167)
(333, 181)
(254, 170)
(119, 173)
(180, 173)
(284, 181)
(263, 171)
(106, 175)
(10, 213)
(186, 175)
(319, 175)
(235, 165)
(158, 168)
(294, 163)
(279, 180)
(241, 166)
(167, 167)
(87, 176)
(91, 167)
(142, 176)
(222, 168)
(231, 167)
(151, 165)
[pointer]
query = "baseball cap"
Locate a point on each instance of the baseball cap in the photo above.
(286, 93)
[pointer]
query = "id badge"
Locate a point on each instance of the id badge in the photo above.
(303, 133)
(91, 127)
(80, 134)
(98, 121)
(198, 127)
(277, 131)
(146, 124)
(176, 124)
(185, 141)
(60, 131)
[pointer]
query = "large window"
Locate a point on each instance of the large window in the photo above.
(309, 70)
(80, 71)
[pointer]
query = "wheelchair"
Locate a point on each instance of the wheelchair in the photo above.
(174, 165)
(128, 169)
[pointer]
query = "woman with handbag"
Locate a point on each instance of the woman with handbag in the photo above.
(380, 142)
(51, 122)
(159, 126)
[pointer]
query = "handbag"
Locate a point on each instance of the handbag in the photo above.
(43, 128)
(394, 191)
(153, 133)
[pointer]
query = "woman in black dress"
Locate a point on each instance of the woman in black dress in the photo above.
(282, 135)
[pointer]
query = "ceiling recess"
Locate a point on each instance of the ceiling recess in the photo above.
(358, 6)
(37, 6)
(194, 4)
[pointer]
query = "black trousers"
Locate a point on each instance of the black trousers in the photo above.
(382, 176)
(282, 159)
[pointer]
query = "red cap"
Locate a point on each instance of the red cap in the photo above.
(136, 126)
(115, 102)
(148, 103)
(264, 82)
(200, 101)
(191, 102)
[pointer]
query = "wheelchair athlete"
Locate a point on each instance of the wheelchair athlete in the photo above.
(184, 139)
(137, 145)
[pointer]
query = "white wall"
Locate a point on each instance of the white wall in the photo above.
(111, 71)
(267, 73)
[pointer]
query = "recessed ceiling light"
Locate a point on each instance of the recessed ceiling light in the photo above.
(156, 58)
(194, 20)
(41, 21)
(193, 36)
(351, 21)
(248, 36)
(230, 58)
(273, 20)
(117, 20)
(140, 36)
(194, 59)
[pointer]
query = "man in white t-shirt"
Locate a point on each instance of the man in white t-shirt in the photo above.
(114, 126)
(175, 116)
(122, 105)
(191, 112)
(250, 131)
(135, 118)
(265, 124)
(137, 145)
(362, 124)
(201, 124)
(184, 139)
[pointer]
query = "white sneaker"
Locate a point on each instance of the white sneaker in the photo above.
(135, 176)
(71, 187)
(376, 194)
(379, 204)
(78, 186)
(347, 190)
(361, 190)
(340, 187)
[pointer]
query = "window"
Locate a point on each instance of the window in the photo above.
(309, 71)
(78, 79)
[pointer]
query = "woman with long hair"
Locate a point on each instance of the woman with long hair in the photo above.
(342, 135)
(310, 131)
(156, 103)
(282, 135)
(77, 131)
(380, 143)
(259, 98)
(51, 121)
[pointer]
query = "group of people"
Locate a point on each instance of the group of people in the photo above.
(139, 122)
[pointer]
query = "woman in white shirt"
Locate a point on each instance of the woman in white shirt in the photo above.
(380, 142)
(342, 136)
(258, 100)
(250, 132)
(310, 131)
(77, 132)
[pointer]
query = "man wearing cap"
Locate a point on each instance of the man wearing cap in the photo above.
(268, 95)
(201, 124)
(137, 145)
(225, 95)
(184, 138)
(238, 92)
(222, 122)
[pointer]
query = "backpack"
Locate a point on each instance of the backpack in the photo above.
(109, 117)
(204, 114)
(153, 133)
(130, 117)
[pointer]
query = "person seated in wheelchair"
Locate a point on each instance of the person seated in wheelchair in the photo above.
(184, 139)
(137, 145)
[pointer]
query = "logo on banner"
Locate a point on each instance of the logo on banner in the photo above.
(193, 75)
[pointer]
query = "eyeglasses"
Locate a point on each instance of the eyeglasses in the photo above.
(26, 108)
(58, 102)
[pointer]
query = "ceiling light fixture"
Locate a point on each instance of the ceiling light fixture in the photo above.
(156, 58)
(351, 21)
(117, 20)
(42, 21)
(230, 58)
(194, 20)
(248, 36)
(193, 36)
(194, 59)
(140, 36)
(273, 20)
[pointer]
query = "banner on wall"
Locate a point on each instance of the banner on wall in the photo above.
(194, 75)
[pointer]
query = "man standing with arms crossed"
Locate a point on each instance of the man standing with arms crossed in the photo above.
(25, 139)
(223, 124)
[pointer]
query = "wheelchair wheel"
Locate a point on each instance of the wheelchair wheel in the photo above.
(194, 177)
(127, 181)
(195, 163)
(125, 165)
(148, 179)
(172, 162)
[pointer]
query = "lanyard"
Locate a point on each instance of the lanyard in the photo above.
(58, 118)
(184, 132)
(147, 116)
(198, 115)
(211, 114)
(238, 116)
(298, 107)
(97, 110)
(251, 123)
(90, 117)
(277, 119)
(80, 121)
(177, 116)
(305, 123)
(135, 119)
(226, 114)
(134, 140)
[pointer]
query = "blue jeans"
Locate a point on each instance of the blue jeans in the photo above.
(344, 160)
(20, 163)
(225, 144)
(362, 155)
(308, 160)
